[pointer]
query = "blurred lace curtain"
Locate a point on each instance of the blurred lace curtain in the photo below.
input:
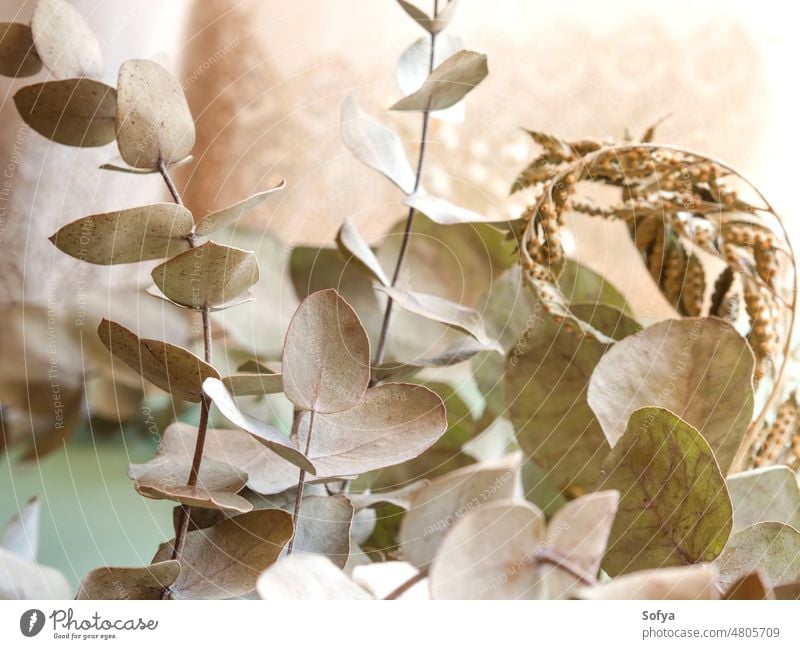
(266, 78)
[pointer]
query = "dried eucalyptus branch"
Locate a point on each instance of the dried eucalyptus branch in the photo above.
(423, 141)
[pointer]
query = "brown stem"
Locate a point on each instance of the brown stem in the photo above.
(402, 588)
(301, 481)
(205, 403)
(381, 348)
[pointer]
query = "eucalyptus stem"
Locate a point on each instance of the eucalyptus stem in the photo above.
(381, 348)
(205, 403)
(402, 588)
(301, 481)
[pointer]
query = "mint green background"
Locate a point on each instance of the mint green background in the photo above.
(91, 515)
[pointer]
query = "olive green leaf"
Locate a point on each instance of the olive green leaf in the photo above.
(255, 366)
(167, 366)
(577, 536)
(18, 57)
(307, 576)
(674, 508)
(581, 285)
(441, 310)
(21, 579)
(225, 560)
(323, 528)
(609, 319)
(146, 582)
(136, 234)
(413, 67)
(352, 245)
(219, 219)
(448, 84)
(699, 368)
(766, 494)
(209, 275)
(153, 120)
(772, 548)
(686, 582)
(325, 355)
(488, 554)
(547, 373)
(20, 535)
(242, 385)
(75, 112)
(392, 423)
(433, 24)
(448, 498)
(64, 41)
(266, 434)
(165, 478)
(750, 587)
(376, 146)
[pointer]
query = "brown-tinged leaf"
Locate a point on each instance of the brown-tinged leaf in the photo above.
(136, 234)
(146, 582)
(687, 582)
(269, 436)
(167, 366)
(448, 83)
(766, 494)
(438, 309)
(674, 508)
(447, 499)
(166, 477)
(771, 548)
(20, 535)
(242, 385)
(445, 455)
(225, 560)
(699, 368)
(433, 24)
(376, 146)
(578, 535)
(608, 319)
(267, 472)
(64, 41)
(413, 67)
(18, 57)
(306, 576)
(324, 528)
(750, 587)
(488, 554)
(214, 221)
(460, 351)
(21, 579)
(444, 212)
(210, 275)
(352, 244)
(787, 591)
(153, 120)
(393, 422)
(547, 373)
(326, 355)
(75, 112)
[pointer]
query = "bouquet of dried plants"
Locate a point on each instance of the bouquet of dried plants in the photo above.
(603, 458)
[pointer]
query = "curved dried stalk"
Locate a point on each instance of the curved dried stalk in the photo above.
(540, 257)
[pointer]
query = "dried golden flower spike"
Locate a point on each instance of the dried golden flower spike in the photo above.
(777, 438)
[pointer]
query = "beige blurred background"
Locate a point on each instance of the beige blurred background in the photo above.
(265, 81)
